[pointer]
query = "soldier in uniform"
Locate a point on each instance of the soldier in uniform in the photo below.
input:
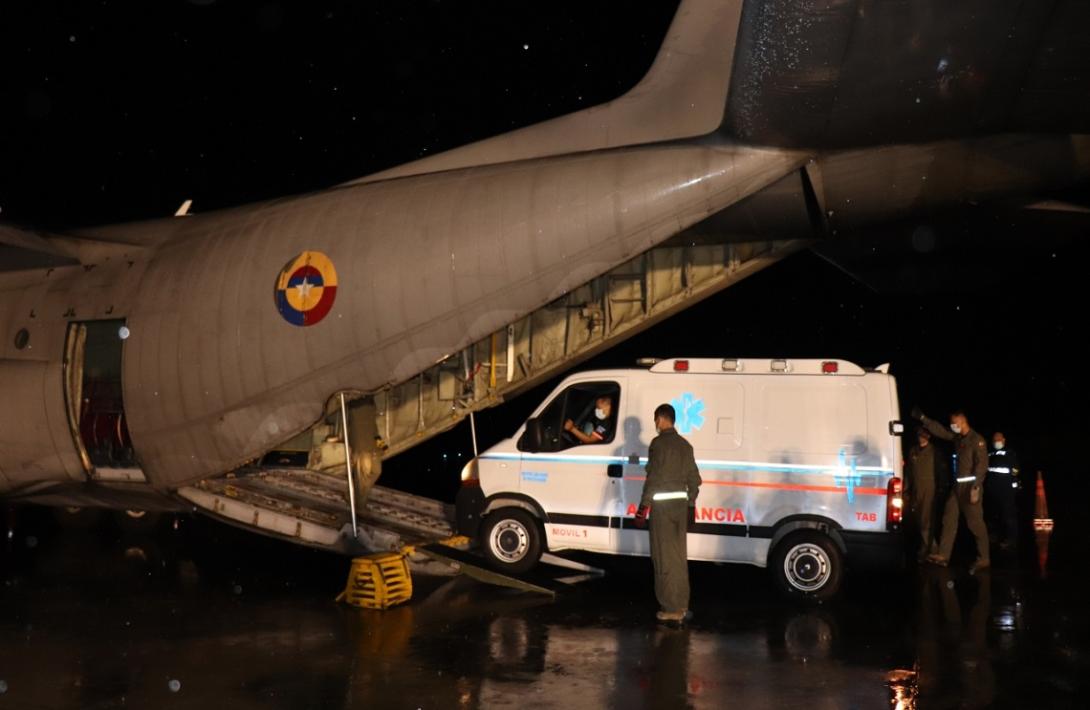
(927, 473)
(971, 452)
(672, 485)
(1000, 493)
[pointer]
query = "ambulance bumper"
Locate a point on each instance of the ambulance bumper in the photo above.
(874, 550)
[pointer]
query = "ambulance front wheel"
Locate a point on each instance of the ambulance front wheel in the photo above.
(808, 566)
(512, 540)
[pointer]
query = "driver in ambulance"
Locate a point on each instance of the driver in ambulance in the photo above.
(596, 428)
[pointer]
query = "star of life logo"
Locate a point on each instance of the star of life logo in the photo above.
(690, 412)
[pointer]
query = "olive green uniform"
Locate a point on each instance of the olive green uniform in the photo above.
(972, 462)
(921, 492)
(672, 485)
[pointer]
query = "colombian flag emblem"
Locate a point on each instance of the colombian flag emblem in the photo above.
(306, 288)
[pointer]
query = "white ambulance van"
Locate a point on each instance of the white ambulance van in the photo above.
(800, 460)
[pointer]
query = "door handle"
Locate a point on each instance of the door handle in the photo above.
(615, 470)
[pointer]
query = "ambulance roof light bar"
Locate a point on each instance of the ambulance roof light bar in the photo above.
(754, 366)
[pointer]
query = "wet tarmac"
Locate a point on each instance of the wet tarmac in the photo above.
(204, 616)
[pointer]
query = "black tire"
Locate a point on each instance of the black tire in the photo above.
(807, 566)
(512, 540)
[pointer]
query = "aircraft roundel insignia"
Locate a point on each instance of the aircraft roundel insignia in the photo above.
(306, 288)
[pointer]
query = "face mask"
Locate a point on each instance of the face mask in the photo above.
(999, 445)
(956, 428)
(600, 413)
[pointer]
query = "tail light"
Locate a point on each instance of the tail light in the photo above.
(895, 504)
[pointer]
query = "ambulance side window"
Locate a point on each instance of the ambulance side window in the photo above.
(581, 404)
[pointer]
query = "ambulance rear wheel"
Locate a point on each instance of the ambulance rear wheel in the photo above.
(808, 566)
(512, 540)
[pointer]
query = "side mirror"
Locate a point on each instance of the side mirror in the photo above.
(531, 439)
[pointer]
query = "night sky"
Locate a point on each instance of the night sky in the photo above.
(122, 110)
(119, 111)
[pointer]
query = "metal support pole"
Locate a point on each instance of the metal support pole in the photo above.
(348, 464)
(492, 361)
(509, 371)
(473, 432)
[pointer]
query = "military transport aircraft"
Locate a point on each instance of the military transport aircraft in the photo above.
(221, 361)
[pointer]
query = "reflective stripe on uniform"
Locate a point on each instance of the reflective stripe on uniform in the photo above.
(966, 479)
(673, 495)
(998, 469)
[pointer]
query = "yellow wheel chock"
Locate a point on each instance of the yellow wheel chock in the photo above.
(378, 581)
(382, 580)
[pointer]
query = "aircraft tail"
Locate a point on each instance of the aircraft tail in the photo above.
(683, 95)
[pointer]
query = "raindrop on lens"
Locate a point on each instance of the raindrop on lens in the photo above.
(174, 686)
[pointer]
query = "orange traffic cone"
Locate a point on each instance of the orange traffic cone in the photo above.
(1042, 525)
(1041, 521)
(1042, 537)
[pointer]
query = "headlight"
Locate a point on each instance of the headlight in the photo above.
(469, 471)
